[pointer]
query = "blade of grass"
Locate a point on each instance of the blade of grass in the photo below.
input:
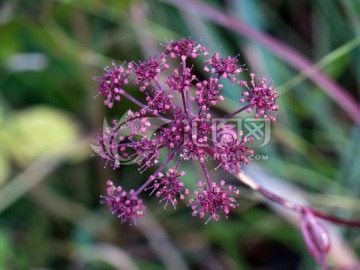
(160, 243)
(37, 172)
(328, 59)
(349, 169)
(116, 257)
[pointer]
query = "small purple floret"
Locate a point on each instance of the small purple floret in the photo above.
(125, 206)
(213, 200)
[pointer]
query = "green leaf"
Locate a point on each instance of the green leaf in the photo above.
(37, 131)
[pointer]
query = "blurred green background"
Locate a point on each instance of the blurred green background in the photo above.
(50, 216)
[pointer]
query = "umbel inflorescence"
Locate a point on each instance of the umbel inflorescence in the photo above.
(175, 116)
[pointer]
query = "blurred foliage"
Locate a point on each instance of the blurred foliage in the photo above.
(50, 184)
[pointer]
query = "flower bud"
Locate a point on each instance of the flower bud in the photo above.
(316, 237)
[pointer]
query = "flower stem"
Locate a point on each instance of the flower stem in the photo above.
(141, 105)
(206, 173)
(247, 180)
(336, 220)
(236, 112)
(184, 104)
(170, 158)
(187, 99)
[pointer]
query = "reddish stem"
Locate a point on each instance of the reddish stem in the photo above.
(170, 158)
(336, 220)
(141, 105)
(236, 112)
(206, 173)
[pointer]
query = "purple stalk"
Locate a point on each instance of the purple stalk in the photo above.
(170, 158)
(283, 51)
(206, 173)
(236, 112)
(336, 220)
(279, 200)
(247, 180)
(141, 105)
(187, 100)
(184, 104)
(134, 100)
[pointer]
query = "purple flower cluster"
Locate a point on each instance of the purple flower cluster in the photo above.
(261, 96)
(180, 99)
(124, 206)
(168, 187)
(212, 200)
